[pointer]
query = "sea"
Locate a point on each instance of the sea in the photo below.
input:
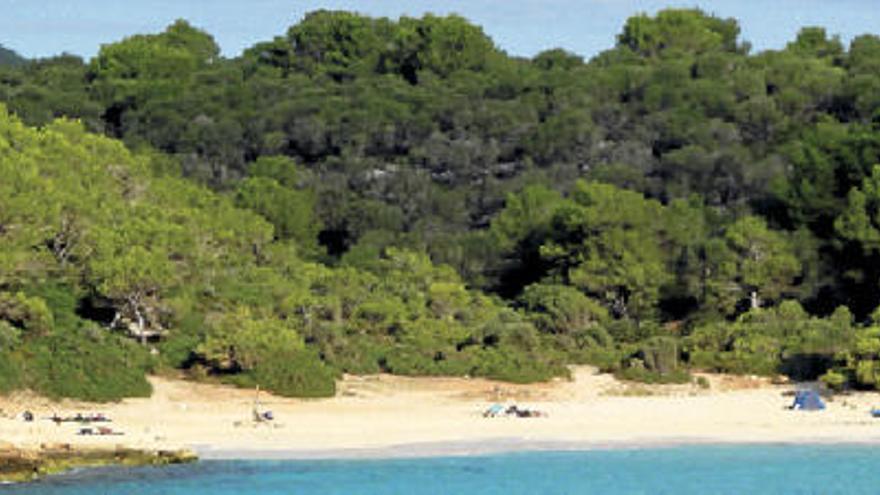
(703, 469)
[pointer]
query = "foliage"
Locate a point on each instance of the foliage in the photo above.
(291, 374)
(365, 194)
(561, 309)
(151, 255)
(677, 31)
(784, 339)
(86, 365)
(646, 376)
(10, 372)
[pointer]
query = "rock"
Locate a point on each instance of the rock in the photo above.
(18, 465)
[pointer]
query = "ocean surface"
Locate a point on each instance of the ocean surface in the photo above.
(750, 470)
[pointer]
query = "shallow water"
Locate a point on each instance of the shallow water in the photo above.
(801, 469)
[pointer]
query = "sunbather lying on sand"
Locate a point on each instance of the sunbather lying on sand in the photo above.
(524, 413)
(497, 410)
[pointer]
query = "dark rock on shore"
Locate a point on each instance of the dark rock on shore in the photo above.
(20, 465)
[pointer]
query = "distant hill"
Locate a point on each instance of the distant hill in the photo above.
(9, 57)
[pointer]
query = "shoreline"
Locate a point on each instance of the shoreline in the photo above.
(77, 461)
(503, 447)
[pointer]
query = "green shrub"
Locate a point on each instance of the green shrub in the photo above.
(10, 372)
(704, 360)
(834, 380)
(750, 362)
(31, 314)
(738, 362)
(87, 364)
(630, 331)
(435, 360)
(518, 367)
(412, 362)
(67, 356)
(290, 374)
(62, 302)
(660, 354)
(179, 346)
(561, 309)
(10, 337)
(643, 375)
(358, 354)
(607, 359)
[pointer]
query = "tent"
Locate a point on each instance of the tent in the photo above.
(808, 400)
(493, 411)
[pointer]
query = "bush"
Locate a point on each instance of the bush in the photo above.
(834, 380)
(643, 375)
(178, 349)
(607, 359)
(660, 354)
(561, 309)
(61, 301)
(61, 355)
(86, 364)
(413, 362)
(290, 374)
(358, 354)
(630, 331)
(705, 360)
(10, 372)
(518, 368)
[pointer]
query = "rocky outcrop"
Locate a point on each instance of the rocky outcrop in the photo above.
(21, 465)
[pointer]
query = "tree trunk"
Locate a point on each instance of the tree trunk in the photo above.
(143, 334)
(141, 322)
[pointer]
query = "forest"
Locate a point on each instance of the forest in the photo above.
(365, 195)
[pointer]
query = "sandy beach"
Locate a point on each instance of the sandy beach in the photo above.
(392, 416)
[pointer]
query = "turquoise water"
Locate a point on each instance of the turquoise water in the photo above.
(701, 470)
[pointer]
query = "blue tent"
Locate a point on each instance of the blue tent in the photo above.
(808, 400)
(494, 410)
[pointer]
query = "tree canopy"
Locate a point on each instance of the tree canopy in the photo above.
(366, 194)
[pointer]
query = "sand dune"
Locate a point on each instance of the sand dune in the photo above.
(384, 415)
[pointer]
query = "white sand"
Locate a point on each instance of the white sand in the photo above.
(383, 415)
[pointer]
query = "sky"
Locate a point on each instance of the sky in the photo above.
(40, 28)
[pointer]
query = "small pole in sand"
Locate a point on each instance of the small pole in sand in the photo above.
(256, 408)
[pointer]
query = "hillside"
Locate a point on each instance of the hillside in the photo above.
(99, 244)
(365, 194)
(10, 58)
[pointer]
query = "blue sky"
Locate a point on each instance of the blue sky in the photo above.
(37, 28)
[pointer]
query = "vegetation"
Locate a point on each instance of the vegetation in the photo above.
(365, 195)
(100, 244)
(9, 57)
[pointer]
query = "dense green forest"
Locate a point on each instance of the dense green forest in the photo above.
(364, 195)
